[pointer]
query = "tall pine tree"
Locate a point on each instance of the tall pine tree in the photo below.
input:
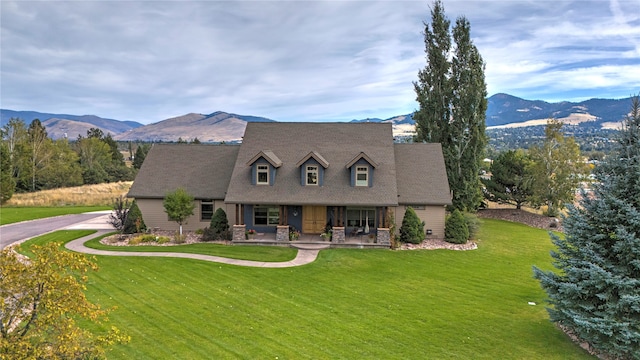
(596, 293)
(451, 92)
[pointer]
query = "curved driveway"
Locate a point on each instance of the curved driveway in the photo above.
(19, 232)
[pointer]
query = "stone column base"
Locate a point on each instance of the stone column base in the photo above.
(238, 232)
(384, 236)
(282, 233)
(338, 234)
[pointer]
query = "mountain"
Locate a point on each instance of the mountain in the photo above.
(215, 127)
(507, 110)
(64, 125)
(503, 111)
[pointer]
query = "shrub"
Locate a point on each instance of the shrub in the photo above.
(134, 222)
(208, 234)
(179, 238)
(148, 238)
(473, 224)
(218, 227)
(456, 230)
(412, 229)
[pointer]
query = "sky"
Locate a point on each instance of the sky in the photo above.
(148, 61)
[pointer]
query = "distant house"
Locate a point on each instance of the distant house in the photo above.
(307, 176)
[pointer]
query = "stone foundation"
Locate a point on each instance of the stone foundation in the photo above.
(384, 236)
(238, 232)
(282, 233)
(338, 234)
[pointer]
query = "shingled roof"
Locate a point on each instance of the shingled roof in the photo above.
(339, 143)
(411, 174)
(422, 176)
(203, 170)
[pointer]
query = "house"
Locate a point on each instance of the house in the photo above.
(310, 176)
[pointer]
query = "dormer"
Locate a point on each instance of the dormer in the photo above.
(263, 167)
(312, 168)
(361, 169)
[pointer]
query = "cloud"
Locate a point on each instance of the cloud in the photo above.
(297, 60)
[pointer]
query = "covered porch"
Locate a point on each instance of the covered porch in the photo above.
(335, 226)
(312, 241)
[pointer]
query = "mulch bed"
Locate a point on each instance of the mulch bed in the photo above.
(524, 217)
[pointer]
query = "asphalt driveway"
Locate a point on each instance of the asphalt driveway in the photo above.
(22, 231)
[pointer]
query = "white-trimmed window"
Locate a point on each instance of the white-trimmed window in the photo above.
(266, 215)
(206, 210)
(361, 217)
(262, 174)
(312, 175)
(362, 176)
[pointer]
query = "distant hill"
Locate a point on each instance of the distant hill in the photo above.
(504, 109)
(215, 127)
(59, 125)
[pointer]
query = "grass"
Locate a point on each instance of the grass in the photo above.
(255, 253)
(9, 215)
(60, 236)
(86, 195)
(373, 304)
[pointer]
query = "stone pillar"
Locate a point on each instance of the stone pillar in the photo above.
(282, 233)
(384, 236)
(238, 232)
(338, 234)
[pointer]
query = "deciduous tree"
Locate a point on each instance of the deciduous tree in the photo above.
(451, 93)
(596, 292)
(558, 169)
(42, 301)
(179, 206)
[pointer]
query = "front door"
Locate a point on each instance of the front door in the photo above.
(314, 219)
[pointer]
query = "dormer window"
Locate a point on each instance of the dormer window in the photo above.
(263, 167)
(362, 168)
(262, 174)
(312, 169)
(362, 176)
(312, 175)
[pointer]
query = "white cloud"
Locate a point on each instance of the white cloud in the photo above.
(297, 60)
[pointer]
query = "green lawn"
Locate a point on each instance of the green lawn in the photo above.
(9, 215)
(256, 253)
(349, 304)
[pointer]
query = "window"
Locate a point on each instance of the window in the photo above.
(362, 176)
(266, 215)
(262, 175)
(206, 210)
(312, 175)
(361, 217)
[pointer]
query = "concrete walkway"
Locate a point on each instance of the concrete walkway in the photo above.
(304, 256)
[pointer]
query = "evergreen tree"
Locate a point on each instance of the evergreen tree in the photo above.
(412, 229)
(141, 154)
(510, 179)
(134, 222)
(7, 183)
(596, 292)
(451, 92)
(456, 230)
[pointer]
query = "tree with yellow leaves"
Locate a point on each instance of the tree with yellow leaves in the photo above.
(41, 301)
